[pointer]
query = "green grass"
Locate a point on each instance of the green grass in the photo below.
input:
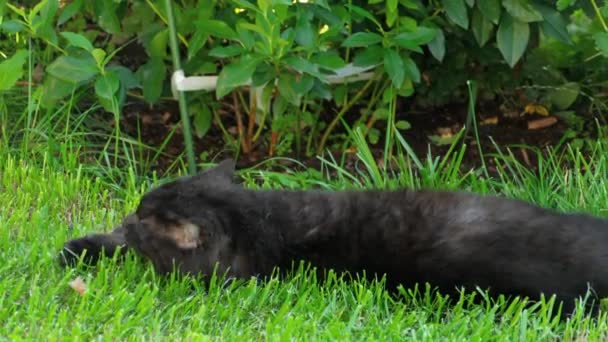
(58, 180)
(44, 204)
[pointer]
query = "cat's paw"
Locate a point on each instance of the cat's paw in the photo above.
(90, 249)
(73, 250)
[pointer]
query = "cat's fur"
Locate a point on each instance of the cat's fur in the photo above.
(448, 239)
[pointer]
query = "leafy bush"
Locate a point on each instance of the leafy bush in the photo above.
(289, 49)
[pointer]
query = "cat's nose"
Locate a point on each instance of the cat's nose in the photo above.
(131, 219)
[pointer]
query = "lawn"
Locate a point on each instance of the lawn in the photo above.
(86, 116)
(45, 203)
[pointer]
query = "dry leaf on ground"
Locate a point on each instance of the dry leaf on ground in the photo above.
(78, 285)
(542, 123)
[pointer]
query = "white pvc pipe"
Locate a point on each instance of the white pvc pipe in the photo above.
(349, 73)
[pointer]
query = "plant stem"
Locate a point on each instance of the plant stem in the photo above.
(344, 109)
(181, 96)
(239, 124)
(299, 112)
(472, 90)
(169, 18)
(251, 121)
(29, 90)
(218, 121)
(599, 15)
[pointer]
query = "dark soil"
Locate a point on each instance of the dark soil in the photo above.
(496, 127)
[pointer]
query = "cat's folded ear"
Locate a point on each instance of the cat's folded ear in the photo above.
(222, 172)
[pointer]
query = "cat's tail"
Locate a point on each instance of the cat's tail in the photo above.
(91, 248)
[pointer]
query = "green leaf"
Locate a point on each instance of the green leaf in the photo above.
(512, 38)
(46, 32)
(12, 26)
(302, 65)
(216, 28)
(411, 69)
(235, 74)
(17, 9)
(264, 5)
(74, 69)
(99, 55)
(322, 3)
(564, 96)
(403, 125)
(362, 39)
(246, 37)
(246, 4)
(360, 11)
(286, 89)
(11, 70)
(128, 80)
(226, 51)
(41, 19)
(406, 89)
(279, 105)
(441, 139)
(305, 33)
(554, 24)
(601, 42)
(196, 42)
(391, 5)
(370, 56)
(106, 86)
(393, 65)
(330, 60)
(43, 13)
(126, 76)
(392, 12)
(564, 4)
(373, 135)
(321, 90)
(253, 28)
(381, 113)
(522, 10)
(69, 11)
(202, 121)
(107, 15)
(303, 85)
(77, 40)
(158, 44)
(38, 9)
(106, 89)
(482, 27)
(54, 89)
(152, 75)
(263, 74)
(490, 9)
(437, 45)
(413, 40)
(457, 12)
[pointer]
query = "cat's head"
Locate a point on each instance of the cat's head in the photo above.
(189, 223)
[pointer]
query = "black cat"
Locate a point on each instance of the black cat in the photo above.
(448, 239)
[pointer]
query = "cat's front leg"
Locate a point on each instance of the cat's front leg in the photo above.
(93, 246)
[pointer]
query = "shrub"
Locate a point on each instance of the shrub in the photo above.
(289, 49)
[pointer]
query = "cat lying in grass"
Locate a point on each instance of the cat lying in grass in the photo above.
(448, 239)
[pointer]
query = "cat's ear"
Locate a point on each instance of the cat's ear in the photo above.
(222, 172)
